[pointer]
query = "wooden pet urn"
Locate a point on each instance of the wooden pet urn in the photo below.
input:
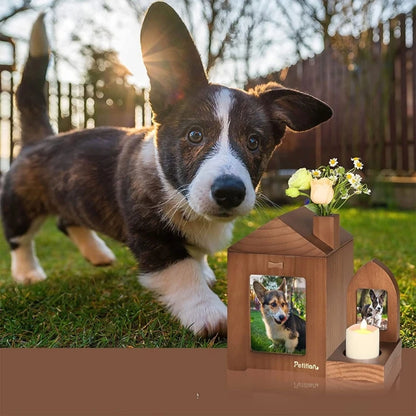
(374, 282)
(298, 261)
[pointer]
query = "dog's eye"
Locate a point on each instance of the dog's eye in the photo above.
(274, 304)
(195, 135)
(253, 142)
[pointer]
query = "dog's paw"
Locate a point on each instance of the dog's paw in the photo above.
(182, 287)
(207, 318)
(26, 268)
(101, 257)
(92, 247)
(29, 276)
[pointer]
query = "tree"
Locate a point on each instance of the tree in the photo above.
(326, 21)
(114, 95)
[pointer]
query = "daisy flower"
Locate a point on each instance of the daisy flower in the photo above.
(354, 180)
(357, 163)
(330, 186)
(333, 162)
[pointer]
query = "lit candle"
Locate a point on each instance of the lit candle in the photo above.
(362, 341)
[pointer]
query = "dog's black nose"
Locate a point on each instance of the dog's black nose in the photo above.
(281, 318)
(228, 191)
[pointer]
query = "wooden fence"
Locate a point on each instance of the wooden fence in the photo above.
(71, 106)
(370, 82)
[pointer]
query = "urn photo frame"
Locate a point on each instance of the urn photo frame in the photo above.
(307, 261)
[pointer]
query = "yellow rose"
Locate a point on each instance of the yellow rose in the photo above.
(301, 179)
(322, 191)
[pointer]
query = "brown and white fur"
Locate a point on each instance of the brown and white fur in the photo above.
(280, 323)
(170, 192)
(373, 312)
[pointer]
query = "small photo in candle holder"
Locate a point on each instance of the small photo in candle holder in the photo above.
(372, 306)
(278, 314)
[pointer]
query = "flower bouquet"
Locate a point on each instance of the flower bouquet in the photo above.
(330, 187)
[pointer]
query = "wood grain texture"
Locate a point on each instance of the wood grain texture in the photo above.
(327, 229)
(286, 246)
(375, 275)
(290, 234)
(383, 369)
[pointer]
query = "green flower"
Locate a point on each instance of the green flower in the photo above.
(301, 180)
(292, 192)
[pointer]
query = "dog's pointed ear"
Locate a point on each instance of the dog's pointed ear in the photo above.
(171, 58)
(372, 295)
(259, 290)
(297, 110)
(283, 286)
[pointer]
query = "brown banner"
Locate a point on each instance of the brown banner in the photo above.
(183, 382)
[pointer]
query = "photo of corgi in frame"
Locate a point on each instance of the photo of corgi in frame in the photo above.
(170, 192)
(372, 306)
(282, 323)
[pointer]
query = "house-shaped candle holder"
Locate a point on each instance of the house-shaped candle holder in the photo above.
(376, 277)
(314, 256)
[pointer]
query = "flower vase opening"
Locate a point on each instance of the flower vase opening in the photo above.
(327, 229)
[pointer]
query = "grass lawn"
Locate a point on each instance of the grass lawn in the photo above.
(82, 306)
(259, 340)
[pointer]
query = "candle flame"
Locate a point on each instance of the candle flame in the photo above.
(363, 324)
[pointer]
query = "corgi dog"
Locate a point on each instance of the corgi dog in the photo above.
(280, 323)
(170, 192)
(373, 312)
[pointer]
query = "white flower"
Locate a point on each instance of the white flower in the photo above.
(354, 180)
(316, 173)
(333, 162)
(357, 163)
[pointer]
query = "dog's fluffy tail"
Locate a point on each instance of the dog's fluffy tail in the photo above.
(30, 95)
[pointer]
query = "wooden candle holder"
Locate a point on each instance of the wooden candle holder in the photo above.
(383, 369)
(386, 367)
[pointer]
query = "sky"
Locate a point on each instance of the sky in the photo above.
(124, 29)
(123, 35)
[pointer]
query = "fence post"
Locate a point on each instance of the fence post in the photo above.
(11, 127)
(403, 94)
